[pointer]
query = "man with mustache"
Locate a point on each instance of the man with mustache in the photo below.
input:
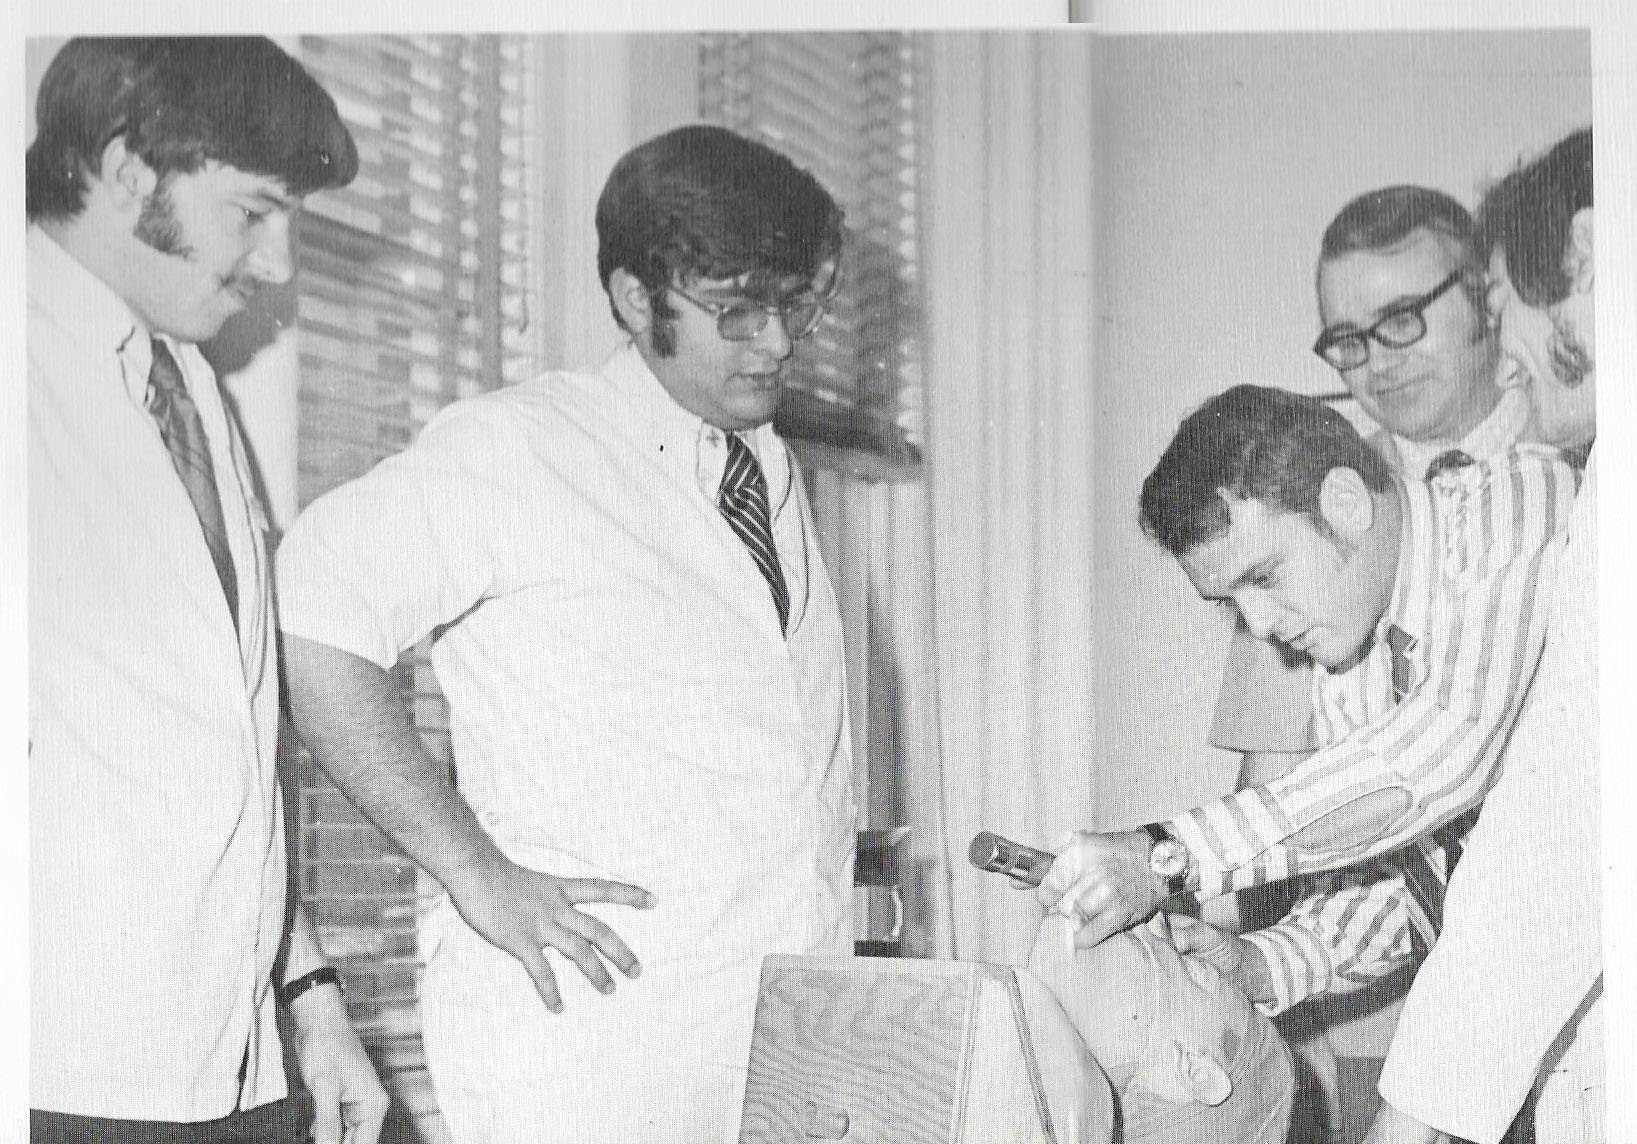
(162, 185)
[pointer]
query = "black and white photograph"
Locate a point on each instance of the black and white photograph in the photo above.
(943, 580)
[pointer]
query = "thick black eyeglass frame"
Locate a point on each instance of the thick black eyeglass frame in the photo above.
(1330, 342)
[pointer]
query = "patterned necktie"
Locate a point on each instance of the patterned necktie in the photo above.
(1449, 459)
(743, 501)
(1421, 875)
(184, 435)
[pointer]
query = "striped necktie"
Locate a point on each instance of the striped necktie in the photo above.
(1422, 877)
(743, 501)
(184, 435)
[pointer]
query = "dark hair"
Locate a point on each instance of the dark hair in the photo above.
(1529, 215)
(703, 202)
(1381, 219)
(1255, 443)
(178, 102)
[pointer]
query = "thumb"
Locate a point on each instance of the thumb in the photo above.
(1188, 935)
(326, 1092)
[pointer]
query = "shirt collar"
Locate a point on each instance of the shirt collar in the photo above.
(77, 299)
(688, 434)
(1416, 572)
(1496, 433)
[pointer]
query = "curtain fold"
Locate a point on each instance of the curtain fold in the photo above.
(1007, 249)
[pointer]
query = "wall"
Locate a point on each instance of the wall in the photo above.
(1222, 158)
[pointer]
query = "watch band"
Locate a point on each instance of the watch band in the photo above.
(323, 975)
(1174, 883)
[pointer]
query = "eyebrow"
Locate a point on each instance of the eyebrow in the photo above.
(1260, 568)
(275, 199)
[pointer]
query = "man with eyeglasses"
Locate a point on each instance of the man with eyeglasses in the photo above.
(642, 656)
(1400, 290)
(1420, 605)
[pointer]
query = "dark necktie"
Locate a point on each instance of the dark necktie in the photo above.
(1421, 875)
(184, 435)
(743, 501)
(1449, 459)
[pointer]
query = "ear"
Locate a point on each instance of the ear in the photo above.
(1578, 260)
(1200, 1075)
(630, 298)
(126, 175)
(1345, 503)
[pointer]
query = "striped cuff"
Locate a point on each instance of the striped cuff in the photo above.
(1297, 963)
(1226, 856)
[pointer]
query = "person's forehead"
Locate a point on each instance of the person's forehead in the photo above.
(761, 286)
(230, 182)
(1357, 286)
(1256, 531)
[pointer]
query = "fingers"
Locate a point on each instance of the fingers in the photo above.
(545, 981)
(599, 934)
(365, 1118)
(579, 949)
(582, 890)
(326, 1092)
(1098, 929)
(1190, 935)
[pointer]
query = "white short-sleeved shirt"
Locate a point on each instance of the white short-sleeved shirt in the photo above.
(622, 702)
(156, 841)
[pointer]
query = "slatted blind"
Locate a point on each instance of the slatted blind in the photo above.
(411, 295)
(842, 105)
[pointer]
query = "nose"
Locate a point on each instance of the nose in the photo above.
(1385, 359)
(1256, 612)
(271, 260)
(773, 339)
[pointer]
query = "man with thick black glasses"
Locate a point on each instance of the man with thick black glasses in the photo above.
(1400, 290)
(642, 656)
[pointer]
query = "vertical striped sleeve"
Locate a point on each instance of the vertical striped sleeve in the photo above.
(1479, 540)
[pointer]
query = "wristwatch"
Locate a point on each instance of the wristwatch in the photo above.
(1168, 858)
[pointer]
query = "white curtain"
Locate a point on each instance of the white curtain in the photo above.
(1007, 234)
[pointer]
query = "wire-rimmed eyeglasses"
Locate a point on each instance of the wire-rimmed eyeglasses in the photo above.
(741, 319)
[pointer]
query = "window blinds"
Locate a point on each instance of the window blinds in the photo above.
(842, 106)
(411, 295)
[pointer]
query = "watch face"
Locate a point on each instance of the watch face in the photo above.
(1168, 859)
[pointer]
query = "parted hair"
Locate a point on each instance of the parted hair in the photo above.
(1254, 443)
(704, 202)
(178, 102)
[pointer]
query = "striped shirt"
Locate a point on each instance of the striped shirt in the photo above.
(1469, 589)
(1358, 925)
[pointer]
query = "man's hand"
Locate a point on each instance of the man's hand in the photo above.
(523, 912)
(349, 1104)
(1394, 1127)
(1238, 960)
(1103, 882)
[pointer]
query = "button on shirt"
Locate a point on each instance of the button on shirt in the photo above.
(157, 854)
(622, 701)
